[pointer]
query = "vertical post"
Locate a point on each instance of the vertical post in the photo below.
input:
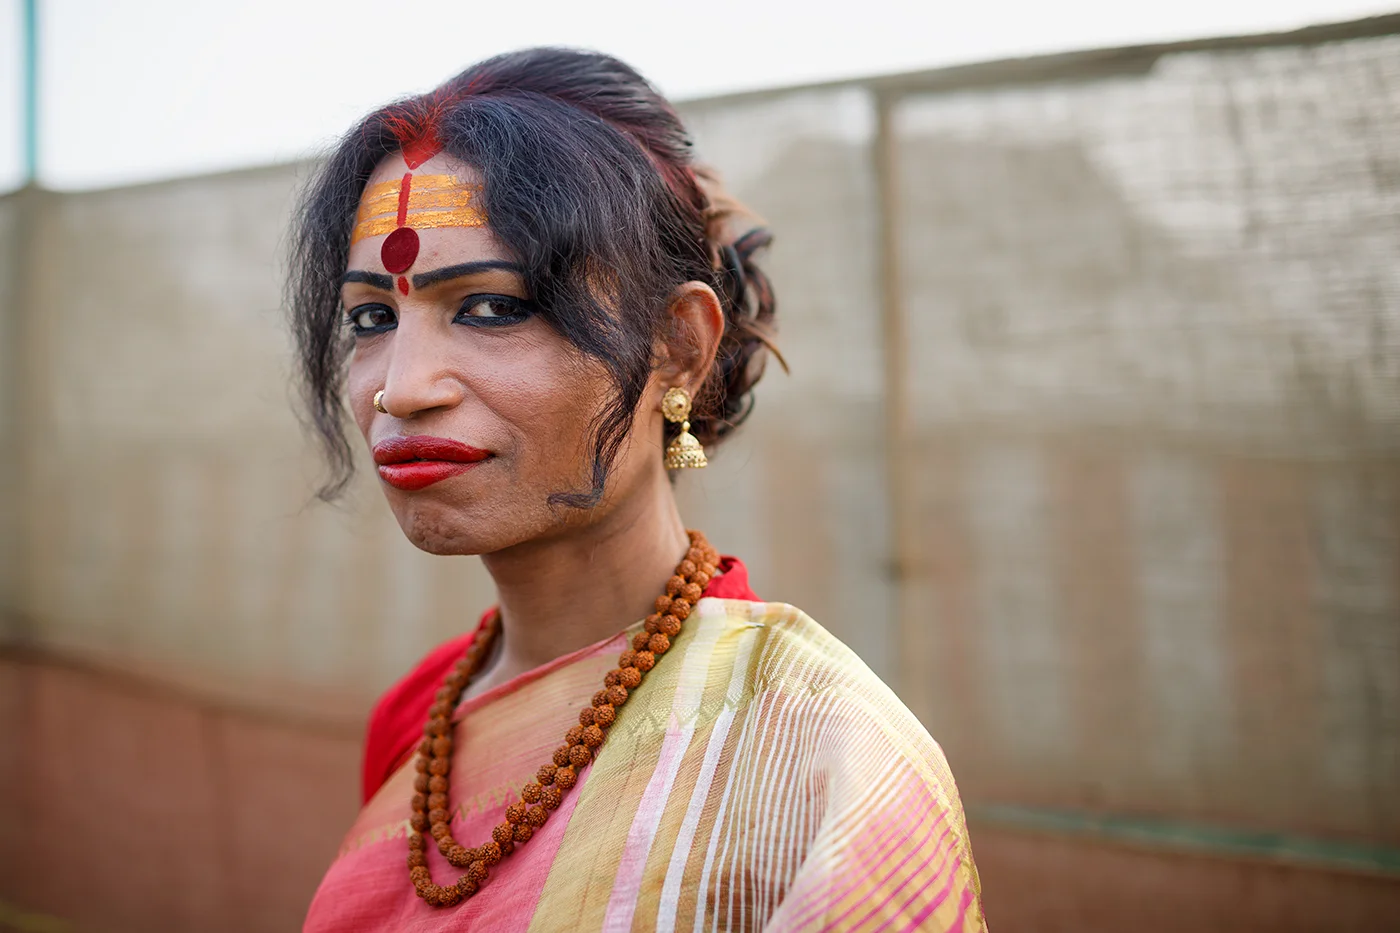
(911, 635)
(17, 323)
(31, 91)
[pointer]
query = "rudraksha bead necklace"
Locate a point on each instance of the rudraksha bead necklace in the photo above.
(432, 811)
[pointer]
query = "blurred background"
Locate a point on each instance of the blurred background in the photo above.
(1089, 449)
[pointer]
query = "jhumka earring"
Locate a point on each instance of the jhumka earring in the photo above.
(685, 451)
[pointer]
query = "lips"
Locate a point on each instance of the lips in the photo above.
(416, 462)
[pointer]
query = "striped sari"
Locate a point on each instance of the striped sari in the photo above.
(762, 778)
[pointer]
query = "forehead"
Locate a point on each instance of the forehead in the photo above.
(447, 228)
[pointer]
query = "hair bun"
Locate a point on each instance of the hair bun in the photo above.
(734, 235)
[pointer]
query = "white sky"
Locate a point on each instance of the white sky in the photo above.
(145, 89)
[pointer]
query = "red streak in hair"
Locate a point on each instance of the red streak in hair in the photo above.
(421, 149)
(415, 126)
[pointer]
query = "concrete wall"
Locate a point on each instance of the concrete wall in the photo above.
(1154, 320)
(1090, 448)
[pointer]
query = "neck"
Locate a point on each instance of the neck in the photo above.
(586, 584)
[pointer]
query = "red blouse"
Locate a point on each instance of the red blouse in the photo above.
(397, 721)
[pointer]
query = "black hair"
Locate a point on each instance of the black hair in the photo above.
(589, 181)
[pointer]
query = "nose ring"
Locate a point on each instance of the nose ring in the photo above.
(379, 402)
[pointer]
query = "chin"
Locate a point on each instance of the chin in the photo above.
(438, 529)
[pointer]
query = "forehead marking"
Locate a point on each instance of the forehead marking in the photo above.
(432, 201)
(400, 248)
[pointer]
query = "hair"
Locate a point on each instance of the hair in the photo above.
(590, 182)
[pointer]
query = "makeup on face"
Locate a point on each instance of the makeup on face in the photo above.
(417, 461)
(435, 276)
(414, 202)
(420, 202)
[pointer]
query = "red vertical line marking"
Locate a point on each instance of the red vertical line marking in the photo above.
(404, 187)
(403, 285)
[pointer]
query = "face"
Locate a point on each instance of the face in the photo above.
(489, 409)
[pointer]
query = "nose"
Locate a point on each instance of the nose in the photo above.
(420, 377)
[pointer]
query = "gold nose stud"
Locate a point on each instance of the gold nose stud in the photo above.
(379, 402)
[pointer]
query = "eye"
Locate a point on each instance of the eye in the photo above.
(492, 310)
(371, 319)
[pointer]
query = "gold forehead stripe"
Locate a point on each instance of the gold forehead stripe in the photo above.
(433, 201)
(384, 197)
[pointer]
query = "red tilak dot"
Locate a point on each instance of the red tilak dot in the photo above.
(403, 285)
(399, 251)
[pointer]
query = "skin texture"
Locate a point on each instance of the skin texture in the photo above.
(565, 577)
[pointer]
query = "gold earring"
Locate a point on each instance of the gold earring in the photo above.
(685, 451)
(379, 402)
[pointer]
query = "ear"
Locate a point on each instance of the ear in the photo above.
(692, 340)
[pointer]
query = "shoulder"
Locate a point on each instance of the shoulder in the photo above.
(790, 647)
(795, 649)
(797, 662)
(817, 714)
(397, 718)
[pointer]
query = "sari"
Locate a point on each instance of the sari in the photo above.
(760, 778)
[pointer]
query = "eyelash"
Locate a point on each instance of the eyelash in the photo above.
(517, 311)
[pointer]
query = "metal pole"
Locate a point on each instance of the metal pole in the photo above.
(31, 91)
(18, 367)
(912, 636)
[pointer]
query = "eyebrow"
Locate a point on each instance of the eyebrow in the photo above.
(378, 279)
(425, 279)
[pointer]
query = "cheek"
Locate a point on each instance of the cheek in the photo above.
(551, 400)
(361, 382)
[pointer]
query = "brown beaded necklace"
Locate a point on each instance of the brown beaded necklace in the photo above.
(431, 808)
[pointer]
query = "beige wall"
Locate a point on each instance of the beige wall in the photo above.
(1098, 464)
(1153, 323)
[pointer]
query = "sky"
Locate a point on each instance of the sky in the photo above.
(149, 89)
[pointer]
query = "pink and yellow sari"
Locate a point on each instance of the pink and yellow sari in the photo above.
(762, 778)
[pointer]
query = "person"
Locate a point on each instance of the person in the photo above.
(537, 308)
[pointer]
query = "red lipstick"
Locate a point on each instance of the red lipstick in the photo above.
(418, 461)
